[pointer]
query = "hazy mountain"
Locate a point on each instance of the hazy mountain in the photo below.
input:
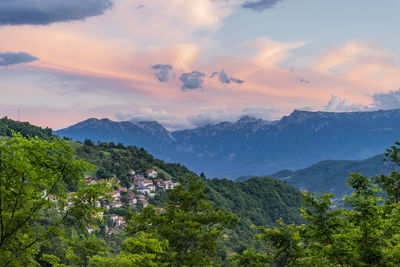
(142, 134)
(330, 175)
(253, 146)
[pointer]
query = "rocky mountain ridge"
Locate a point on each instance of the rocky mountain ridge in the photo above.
(252, 146)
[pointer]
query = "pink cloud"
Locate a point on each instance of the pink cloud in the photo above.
(103, 66)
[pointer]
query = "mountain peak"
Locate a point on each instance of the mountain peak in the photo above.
(246, 119)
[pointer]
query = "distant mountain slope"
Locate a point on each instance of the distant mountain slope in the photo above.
(253, 146)
(142, 134)
(330, 175)
(258, 201)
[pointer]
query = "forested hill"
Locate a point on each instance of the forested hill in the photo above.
(330, 175)
(7, 126)
(260, 201)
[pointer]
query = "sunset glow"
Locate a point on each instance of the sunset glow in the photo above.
(224, 61)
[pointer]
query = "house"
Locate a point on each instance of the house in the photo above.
(136, 181)
(151, 187)
(132, 199)
(140, 197)
(143, 189)
(119, 220)
(116, 195)
(114, 216)
(144, 202)
(151, 195)
(151, 173)
(116, 204)
(123, 189)
(131, 172)
(167, 185)
(90, 229)
(147, 182)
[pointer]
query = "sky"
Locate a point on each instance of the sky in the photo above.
(186, 63)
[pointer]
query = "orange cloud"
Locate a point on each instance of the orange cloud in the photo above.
(367, 66)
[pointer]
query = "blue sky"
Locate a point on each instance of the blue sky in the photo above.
(187, 63)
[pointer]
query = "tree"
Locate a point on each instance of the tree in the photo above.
(35, 176)
(82, 248)
(141, 250)
(88, 142)
(188, 222)
(365, 233)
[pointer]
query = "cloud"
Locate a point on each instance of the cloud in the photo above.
(390, 100)
(336, 104)
(12, 58)
(304, 81)
(225, 79)
(236, 80)
(218, 116)
(260, 112)
(192, 80)
(260, 5)
(176, 121)
(43, 12)
(170, 121)
(163, 72)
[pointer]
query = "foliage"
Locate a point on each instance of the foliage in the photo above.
(189, 223)
(365, 234)
(34, 177)
(251, 258)
(259, 201)
(82, 248)
(140, 250)
(8, 126)
(117, 160)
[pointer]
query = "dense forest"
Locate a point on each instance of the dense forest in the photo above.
(65, 203)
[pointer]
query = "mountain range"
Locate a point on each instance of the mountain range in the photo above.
(253, 146)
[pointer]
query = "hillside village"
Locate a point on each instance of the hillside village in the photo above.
(143, 187)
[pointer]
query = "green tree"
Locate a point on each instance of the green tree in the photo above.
(188, 222)
(82, 248)
(35, 176)
(141, 250)
(366, 233)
